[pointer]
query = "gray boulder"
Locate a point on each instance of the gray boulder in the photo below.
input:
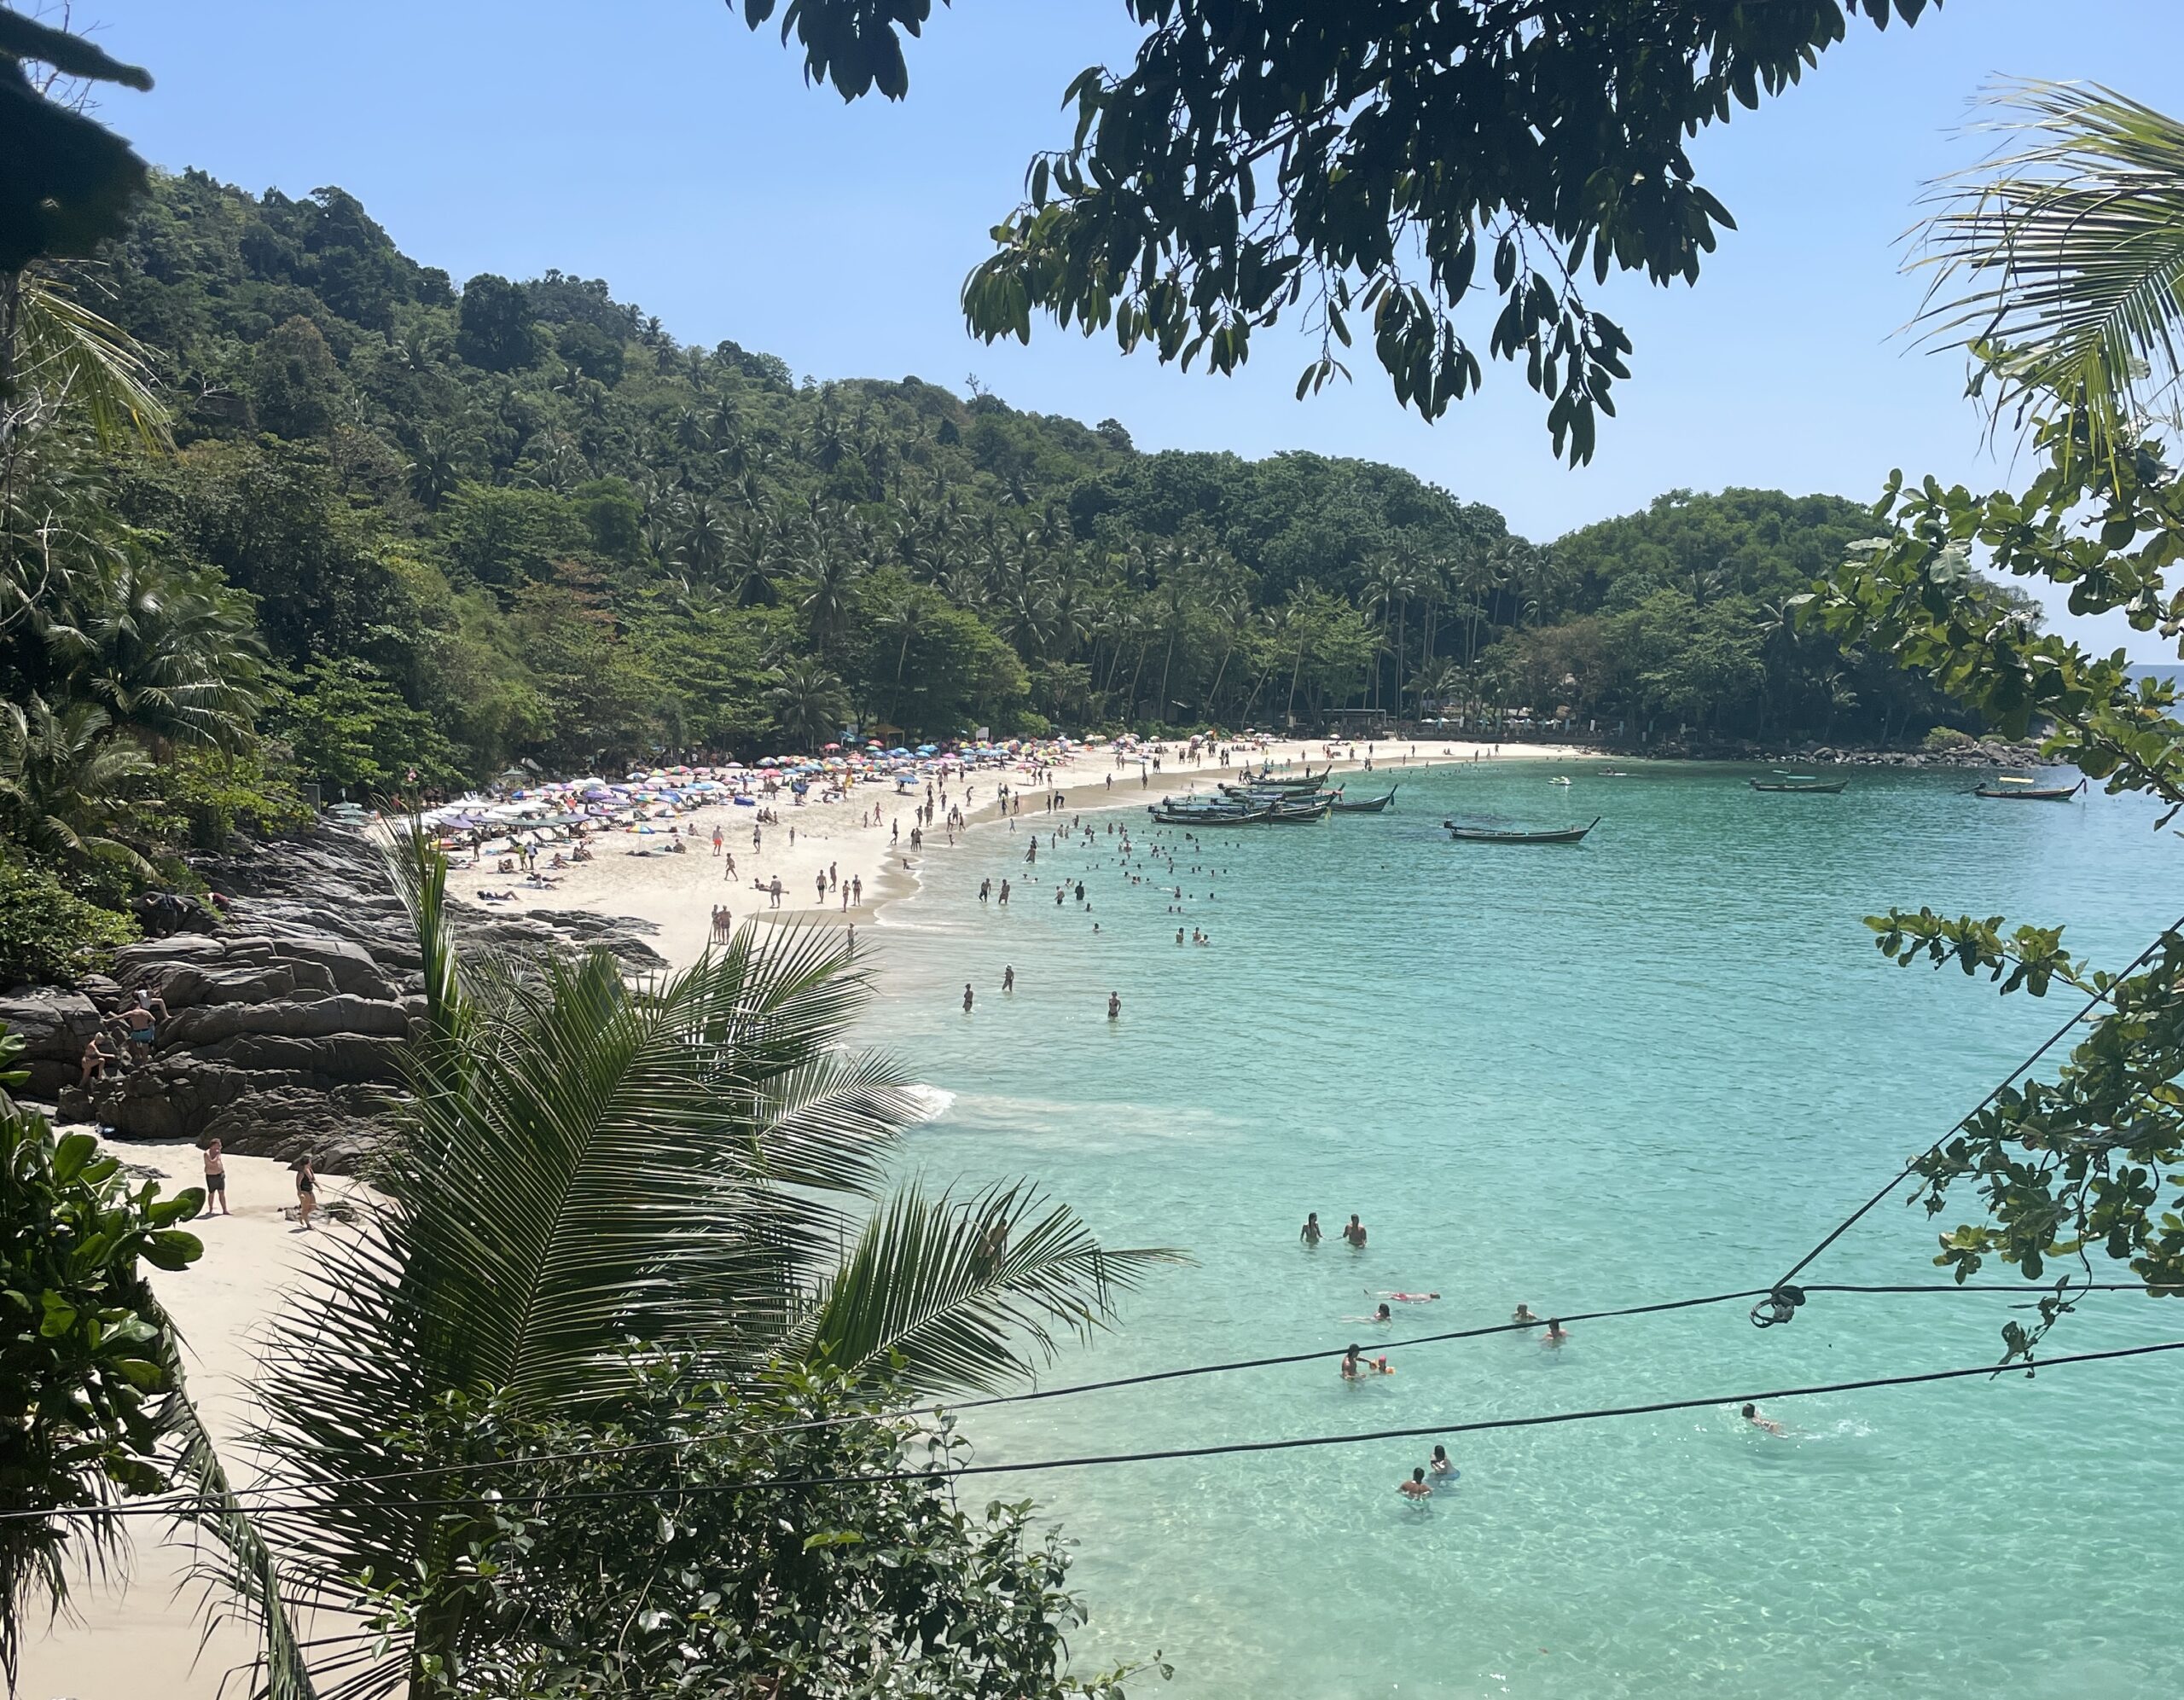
(54, 1026)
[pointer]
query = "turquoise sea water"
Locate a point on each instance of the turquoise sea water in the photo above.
(1662, 1063)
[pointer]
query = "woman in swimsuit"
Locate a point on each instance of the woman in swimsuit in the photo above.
(306, 1189)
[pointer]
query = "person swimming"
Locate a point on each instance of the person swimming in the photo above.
(1381, 1314)
(1556, 1333)
(1417, 1489)
(1413, 1298)
(1523, 1314)
(1765, 1424)
(1354, 1366)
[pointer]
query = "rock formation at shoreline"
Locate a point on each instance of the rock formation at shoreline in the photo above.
(286, 1024)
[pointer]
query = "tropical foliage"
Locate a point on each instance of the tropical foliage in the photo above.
(86, 1354)
(2073, 1166)
(693, 1172)
(1365, 168)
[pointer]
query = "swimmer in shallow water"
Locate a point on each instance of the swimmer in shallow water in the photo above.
(1311, 1232)
(1381, 1314)
(1523, 1314)
(1354, 1366)
(1440, 1465)
(1764, 1424)
(1417, 1489)
(1556, 1333)
(1413, 1298)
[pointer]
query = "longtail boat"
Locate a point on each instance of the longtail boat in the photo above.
(1280, 815)
(1503, 835)
(1210, 817)
(1800, 785)
(1366, 805)
(1309, 781)
(2024, 791)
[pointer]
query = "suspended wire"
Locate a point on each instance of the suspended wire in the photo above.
(938, 1473)
(1781, 1301)
(588, 1454)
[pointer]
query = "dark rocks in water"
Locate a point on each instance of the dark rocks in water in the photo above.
(285, 1028)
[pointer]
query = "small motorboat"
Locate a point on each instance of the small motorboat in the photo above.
(1802, 785)
(2027, 791)
(1519, 835)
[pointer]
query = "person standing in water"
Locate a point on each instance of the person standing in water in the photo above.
(1354, 1232)
(1556, 1333)
(1440, 1465)
(1114, 1001)
(1417, 1490)
(1310, 1233)
(966, 997)
(1008, 979)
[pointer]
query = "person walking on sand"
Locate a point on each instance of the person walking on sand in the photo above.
(1354, 1232)
(306, 1190)
(216, 1179)
(774, 891)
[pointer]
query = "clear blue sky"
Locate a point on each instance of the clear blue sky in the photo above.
(658, 144)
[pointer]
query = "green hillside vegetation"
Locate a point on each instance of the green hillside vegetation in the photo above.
(521, 521)
(382, 527)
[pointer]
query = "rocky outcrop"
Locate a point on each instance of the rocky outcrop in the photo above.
(285, 1027)
(54, 1026)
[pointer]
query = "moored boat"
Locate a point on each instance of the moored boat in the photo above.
(2025, 790)
(1801, 785)
(1366, 805)
(1517, 835)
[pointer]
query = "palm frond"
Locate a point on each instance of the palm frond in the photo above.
(967, 1294)
(79, 360)
(242, 1567)
(2058, 262)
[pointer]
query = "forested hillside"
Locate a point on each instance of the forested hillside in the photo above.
(521, 521)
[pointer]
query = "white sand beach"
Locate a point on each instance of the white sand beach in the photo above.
(678, 893)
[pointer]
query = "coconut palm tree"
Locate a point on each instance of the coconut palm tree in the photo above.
(808, 702)
(901, 616)
(64, 780)
(172, 655)
(699, 1166)
(2058, 263)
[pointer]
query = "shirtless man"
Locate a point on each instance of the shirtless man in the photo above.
(1417, 1490)
(1354, 1232)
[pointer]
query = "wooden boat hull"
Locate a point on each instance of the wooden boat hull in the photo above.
(1366, 805)
(2031, 793)
(1489, 835)
(1821, 788)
